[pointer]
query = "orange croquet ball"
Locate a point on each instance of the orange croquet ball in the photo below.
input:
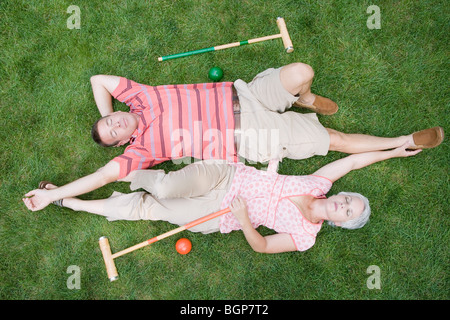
(183, 246)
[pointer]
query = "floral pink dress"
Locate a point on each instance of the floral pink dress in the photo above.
(267, 195)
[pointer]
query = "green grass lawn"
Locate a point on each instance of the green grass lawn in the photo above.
(388, 82)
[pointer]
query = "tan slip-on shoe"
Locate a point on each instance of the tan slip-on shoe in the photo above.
(428, 138)
(320, 105)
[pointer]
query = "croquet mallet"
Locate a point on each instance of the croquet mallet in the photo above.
(283, 35)
(109, 257)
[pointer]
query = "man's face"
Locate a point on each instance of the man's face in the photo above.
(117, 127)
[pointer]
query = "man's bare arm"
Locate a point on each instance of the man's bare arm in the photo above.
(38, 199)
(102, 87)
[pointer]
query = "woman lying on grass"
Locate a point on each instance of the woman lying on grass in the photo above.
(294, 206)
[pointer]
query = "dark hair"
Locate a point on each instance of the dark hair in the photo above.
(96, 136)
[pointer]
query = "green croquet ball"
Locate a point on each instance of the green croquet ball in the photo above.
(215, 74)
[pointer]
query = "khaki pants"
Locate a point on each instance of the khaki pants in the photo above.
(178, 197)
(268, 130)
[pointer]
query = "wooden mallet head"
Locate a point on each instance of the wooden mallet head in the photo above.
(285, 35)
(109, 260)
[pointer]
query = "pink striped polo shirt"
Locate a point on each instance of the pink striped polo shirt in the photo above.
(177, 121)
(267, 195)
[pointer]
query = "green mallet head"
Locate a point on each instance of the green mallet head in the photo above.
(215, 74)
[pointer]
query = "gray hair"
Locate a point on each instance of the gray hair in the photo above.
(362, 219)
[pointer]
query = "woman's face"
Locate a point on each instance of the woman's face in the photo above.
(342, 208)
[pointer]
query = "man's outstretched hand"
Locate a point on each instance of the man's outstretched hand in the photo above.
(37, 199)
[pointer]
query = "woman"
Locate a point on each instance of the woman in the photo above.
(294, 206)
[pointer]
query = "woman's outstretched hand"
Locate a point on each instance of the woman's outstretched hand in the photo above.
(405, 151)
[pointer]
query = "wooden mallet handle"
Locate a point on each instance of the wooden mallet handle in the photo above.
(283, 34)
(172, 232)
(108, 257)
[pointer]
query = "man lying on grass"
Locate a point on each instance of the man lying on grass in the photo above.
(216, 121)
(294, 206)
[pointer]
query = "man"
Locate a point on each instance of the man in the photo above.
(216, 121)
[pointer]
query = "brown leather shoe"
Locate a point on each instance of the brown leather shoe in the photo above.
(320, 105)
(428, 138)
